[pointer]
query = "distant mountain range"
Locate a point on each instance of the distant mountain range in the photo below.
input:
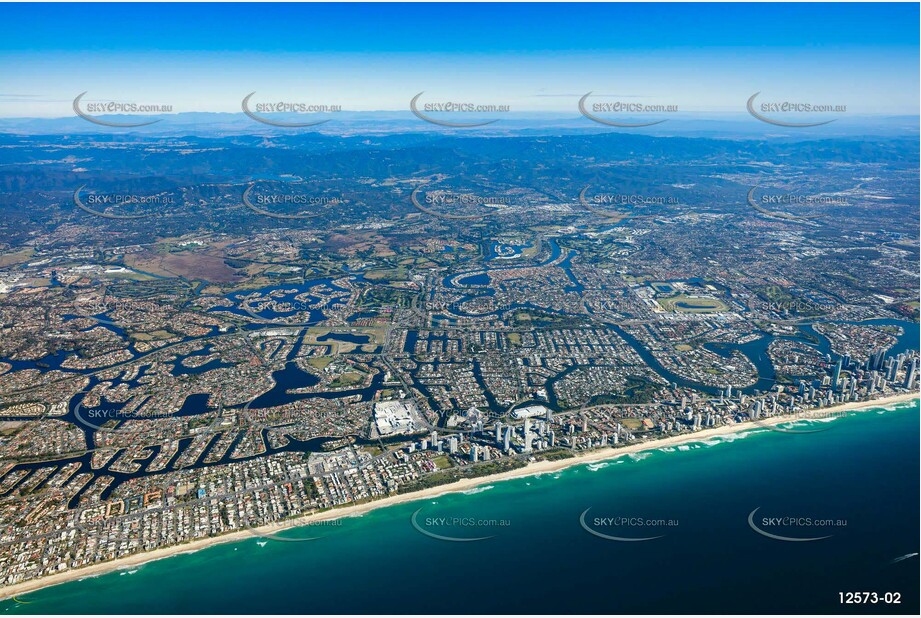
(735, 125)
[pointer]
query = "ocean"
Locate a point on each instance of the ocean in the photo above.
(571, 541)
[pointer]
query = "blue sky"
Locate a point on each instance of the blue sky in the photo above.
(540, 57)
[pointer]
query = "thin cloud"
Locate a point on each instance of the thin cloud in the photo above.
(594, 94)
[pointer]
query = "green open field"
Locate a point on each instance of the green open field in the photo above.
(662, 288)
(683, 303)
(9, 259)
(319, 362)
(350, 378)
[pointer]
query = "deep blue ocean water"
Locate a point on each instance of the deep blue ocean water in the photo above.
(862, 471)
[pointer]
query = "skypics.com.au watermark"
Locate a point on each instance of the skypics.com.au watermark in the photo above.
(768, 205)
(258, 203)
(423, 111)
(797, 306)
(611, 108)
(457, 529)
(296, 200)
(254, 111)
(624, 199)
(817, 420)
(118, 200)
(600, 204)
(110, 420)
(431, 201)
(778, 113)
(117, 108)
(292, 533)
(284, 311)
(789, 198)
(443, 198)
(794, 527)
(622, 528)
(469, 308)
(111, 310)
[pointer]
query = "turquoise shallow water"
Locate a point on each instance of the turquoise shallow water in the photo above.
(862, 471)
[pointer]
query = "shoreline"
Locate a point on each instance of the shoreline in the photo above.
(531, 469)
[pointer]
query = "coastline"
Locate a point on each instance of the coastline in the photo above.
(531, 469)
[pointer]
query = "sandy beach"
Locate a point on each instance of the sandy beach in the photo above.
(534, 468)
